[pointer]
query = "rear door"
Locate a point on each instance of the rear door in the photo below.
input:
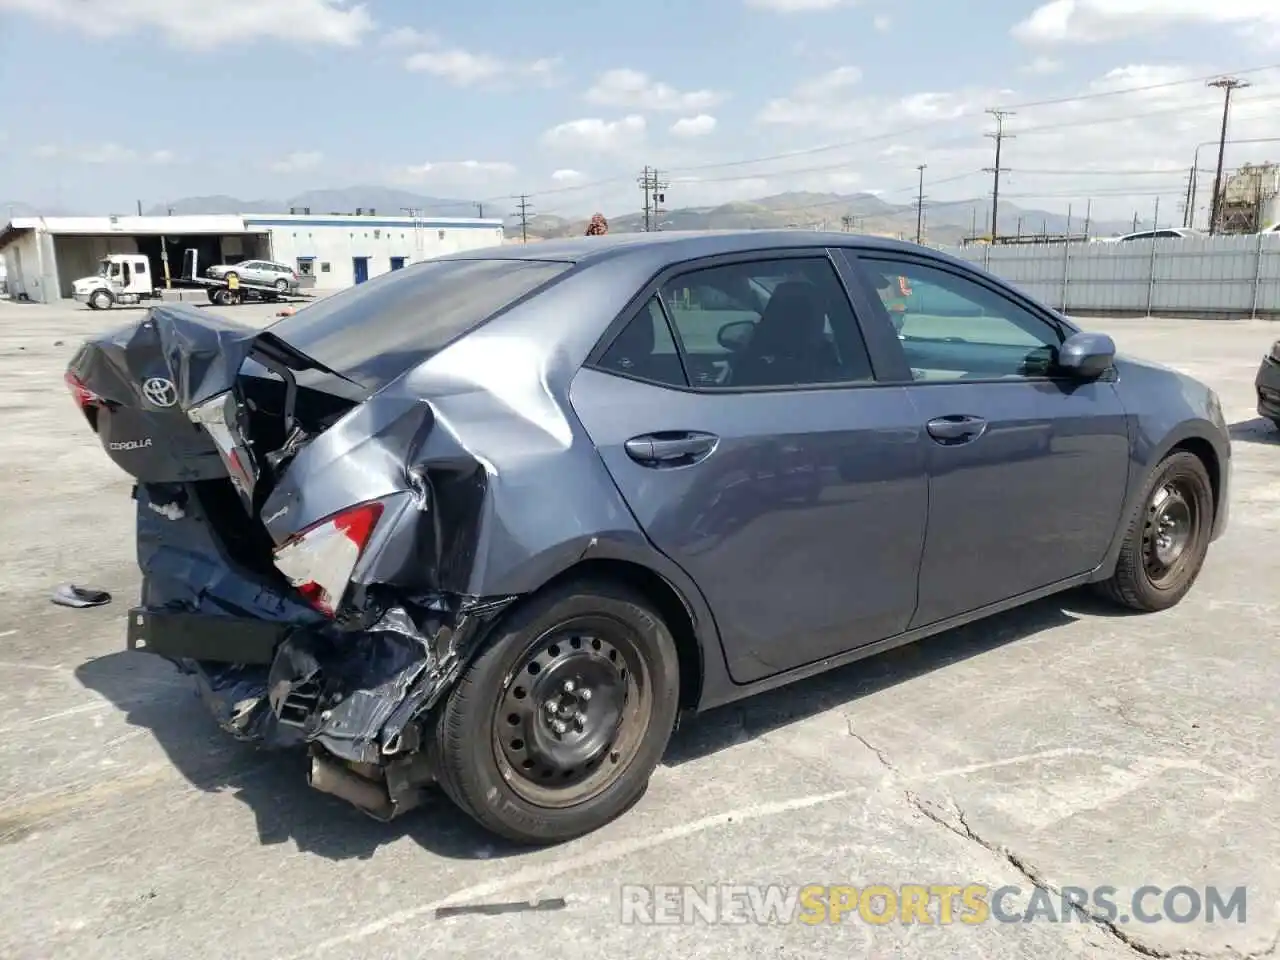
(1027, 470)
(739, 413)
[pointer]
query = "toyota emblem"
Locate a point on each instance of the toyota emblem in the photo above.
(161, 392)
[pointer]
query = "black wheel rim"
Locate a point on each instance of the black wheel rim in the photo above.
(1171, 532)
(573, 713)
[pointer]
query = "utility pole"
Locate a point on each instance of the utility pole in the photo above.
(1088, 217)
(1187, 214)
(655, 196)
(999, 136)
(1155, 220)
(1226, 85)
(920, 202)
(522, 211)
(416, 214)
(480, 209)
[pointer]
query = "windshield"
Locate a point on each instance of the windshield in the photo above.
(375, 331)
(104, 268)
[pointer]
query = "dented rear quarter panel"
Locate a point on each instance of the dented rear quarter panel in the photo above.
(492, 485)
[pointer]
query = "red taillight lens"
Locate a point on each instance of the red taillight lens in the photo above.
(319, 561)
(84, 397)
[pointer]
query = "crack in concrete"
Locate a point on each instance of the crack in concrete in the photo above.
(961, 828)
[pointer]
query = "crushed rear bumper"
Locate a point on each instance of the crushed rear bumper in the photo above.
(274, 672)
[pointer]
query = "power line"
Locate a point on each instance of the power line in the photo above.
(522, 211)
(1099, 94)
(999, 136)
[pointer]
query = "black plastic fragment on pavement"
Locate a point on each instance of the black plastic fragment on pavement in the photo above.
(69, 595)
(494, 909)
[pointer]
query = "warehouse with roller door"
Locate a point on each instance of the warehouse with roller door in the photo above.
(44, 256)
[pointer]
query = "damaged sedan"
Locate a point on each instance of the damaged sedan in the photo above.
(495, 521)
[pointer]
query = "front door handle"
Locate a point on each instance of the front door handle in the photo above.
(670, 448)
(957, 428)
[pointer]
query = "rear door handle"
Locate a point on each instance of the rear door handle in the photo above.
(957, 428)
(670, 448)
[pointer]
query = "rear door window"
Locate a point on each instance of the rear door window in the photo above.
(374, 332)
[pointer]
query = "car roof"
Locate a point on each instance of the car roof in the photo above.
(675, 246)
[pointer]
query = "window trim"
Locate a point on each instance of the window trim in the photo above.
(1061, 325)
(653, 289)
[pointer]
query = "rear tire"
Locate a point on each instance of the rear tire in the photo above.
(555, 728)
(282, 287)
(1168, 537)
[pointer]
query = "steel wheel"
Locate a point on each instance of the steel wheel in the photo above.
(573, 713)
(1172, 525)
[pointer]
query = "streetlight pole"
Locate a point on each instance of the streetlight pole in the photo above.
(1226, 85)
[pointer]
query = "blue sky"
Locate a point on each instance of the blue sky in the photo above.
(159, 99)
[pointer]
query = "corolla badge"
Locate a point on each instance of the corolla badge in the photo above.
(160, 392)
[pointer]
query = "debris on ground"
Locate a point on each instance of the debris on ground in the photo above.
(69, 595)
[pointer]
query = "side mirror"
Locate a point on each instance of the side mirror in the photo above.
(1087, 355)
(734, 336)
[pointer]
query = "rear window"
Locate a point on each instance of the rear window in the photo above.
(375, 331)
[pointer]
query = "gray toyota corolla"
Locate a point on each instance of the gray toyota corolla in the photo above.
(496, 520)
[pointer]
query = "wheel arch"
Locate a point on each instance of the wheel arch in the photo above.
(1193, 437)
(668, 601)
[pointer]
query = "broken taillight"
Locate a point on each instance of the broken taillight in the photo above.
(84, 397)
(319, 561)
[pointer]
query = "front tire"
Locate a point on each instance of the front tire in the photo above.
(1168, 537)
(555, 728)
(101, 300)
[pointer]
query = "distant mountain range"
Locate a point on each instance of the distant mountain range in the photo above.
(944, 223)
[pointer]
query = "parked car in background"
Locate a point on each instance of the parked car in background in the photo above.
(283, 278)
(1164, 233)
(494, 520)
(1268, 385)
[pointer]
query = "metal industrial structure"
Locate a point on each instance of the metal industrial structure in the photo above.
(1250, 199)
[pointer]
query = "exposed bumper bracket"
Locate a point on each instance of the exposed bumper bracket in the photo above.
(189, 636)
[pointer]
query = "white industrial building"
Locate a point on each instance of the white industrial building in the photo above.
(43, 256)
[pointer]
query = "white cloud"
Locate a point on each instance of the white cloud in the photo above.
(567, 177)
(459, 67)
(457, 170)
(882, 23)
(192, 23)
(1043, 66)
(1096, 21)
(634, 90)
(102, 153)
(698, 126)
(797, 6)
(297, 162)
(595, 134)
(409, 37)
(463, 68)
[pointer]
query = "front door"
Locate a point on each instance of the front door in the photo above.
(763, 458)
(360, 269)
(1027, 471)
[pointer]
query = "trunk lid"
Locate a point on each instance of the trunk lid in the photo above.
(187, 396)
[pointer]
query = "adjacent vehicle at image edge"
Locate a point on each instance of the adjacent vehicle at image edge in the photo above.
(1268, 385)
(496, 520)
